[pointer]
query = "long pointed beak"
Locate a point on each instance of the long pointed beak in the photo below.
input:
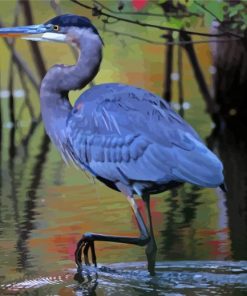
(34, 33)
(25, 30)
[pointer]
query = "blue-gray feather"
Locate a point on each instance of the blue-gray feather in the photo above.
(126, 134)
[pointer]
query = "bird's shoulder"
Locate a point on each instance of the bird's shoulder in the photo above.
(117, 111)
(114, 92)
(123, 104)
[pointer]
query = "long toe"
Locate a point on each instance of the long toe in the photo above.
(94, 260)
(85, 253)
(78, 252)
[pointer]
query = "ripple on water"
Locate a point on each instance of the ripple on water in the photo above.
(171, 279)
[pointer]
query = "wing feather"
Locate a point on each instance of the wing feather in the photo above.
(124, 133)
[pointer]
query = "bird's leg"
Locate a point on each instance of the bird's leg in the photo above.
(88, 239)
(151, 248)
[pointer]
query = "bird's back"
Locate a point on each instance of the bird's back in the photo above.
(125, 134)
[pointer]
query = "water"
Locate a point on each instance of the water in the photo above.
(45, 206)
(172, 278)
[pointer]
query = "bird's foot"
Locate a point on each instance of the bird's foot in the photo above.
(151, 268)
(151, 251)
(83, 245)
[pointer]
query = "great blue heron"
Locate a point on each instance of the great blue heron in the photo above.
(126, 137)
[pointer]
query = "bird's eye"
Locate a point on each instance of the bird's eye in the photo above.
(56, 28)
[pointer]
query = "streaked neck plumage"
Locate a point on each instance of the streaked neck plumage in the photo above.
(60, 79)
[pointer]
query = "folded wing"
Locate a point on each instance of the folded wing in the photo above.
(122, 133)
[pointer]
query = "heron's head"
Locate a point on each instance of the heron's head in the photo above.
(62, 28)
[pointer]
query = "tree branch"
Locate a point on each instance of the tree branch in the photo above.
(185, 14)
(27, 98)
(218, 20)
(97, 12)
(10, 87)
(180, 82)
(118, 33)
(37, 56)
(212, 107)
(11, 72)
(167, 95)
(19, 61)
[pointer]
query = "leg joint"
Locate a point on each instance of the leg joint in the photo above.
(88, 236)
(143, 241)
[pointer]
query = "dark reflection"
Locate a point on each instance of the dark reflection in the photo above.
(232, 147)
(31, 132)
(181, 203)
(86, 284)
(169, 234)
(13, 176)
(190, 203)
(12, 147)
(29, 208)
(1, 141)
(23, 216)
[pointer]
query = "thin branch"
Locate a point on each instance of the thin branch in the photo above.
(25, 141)
(187, 14)
(19, 61)
(10, 87)
(1, 125)
(168, 71)
(215, 16)
(27, 101)
(180, 82)
(56, 7)
(11, 72)
(117, 33)
(207, 10)
(200, 41)
(212, 107)
(37, 56)
(133, 36)
(97, 12)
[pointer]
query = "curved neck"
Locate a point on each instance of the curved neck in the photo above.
(60, 79)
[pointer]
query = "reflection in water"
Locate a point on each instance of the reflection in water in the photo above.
(183, 204)
(1, 194)
(45, 208)
(13, 175)
(87, 283)
(30, 204)
(173, 278)
(232, 146)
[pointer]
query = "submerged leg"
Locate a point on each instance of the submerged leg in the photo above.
(151, 248)
(87, 240)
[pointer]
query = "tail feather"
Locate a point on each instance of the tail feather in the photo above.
(199, 166)
(223, 187)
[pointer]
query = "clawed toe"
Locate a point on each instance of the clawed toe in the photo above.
(84, 245)
(85, 252)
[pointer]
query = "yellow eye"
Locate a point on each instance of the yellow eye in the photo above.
(56, 28)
